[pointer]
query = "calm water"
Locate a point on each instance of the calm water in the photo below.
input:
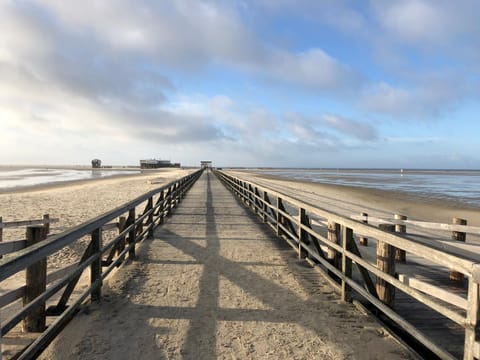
(18, 178)
(456, 185)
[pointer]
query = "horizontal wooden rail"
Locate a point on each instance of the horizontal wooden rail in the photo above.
(8, 247)
(20, 223)
(136, 229)
(424, 224)
(286, 215)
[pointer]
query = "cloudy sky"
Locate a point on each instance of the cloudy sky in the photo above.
(305, 83)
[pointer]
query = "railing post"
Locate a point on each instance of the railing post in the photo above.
(265, 208)
(139, 227)
(161, 208)
(334, 237)
(245, 193)
(131, 233)
(471, 319)
(347, 238)
(279, 216)
(302, 234)
(122, 224)
(400, 255)
(46, 223)
(386, 263)
(36, 283)
(363, 239)
(1, 239)
(458, 236)
(150, 217)
(96, 267)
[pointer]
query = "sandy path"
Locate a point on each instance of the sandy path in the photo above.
(225, 288)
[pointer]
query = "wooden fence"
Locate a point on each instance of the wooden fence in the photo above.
(334, 252)
(7, 247)
(100, 257)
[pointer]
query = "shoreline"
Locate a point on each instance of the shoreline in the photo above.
(68, 183)
(387, 201)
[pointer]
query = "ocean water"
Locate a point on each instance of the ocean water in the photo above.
(23, 177)
(452, 185)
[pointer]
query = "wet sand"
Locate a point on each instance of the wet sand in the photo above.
(350, 200)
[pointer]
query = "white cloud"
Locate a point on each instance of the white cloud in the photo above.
(429, 96)
(356, 129)
(315, 69)
(429, 22)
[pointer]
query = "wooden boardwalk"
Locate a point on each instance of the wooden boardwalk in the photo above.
(214, 282)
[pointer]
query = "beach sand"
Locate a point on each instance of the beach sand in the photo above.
(350, 200)
(72, 203)
(75, 203)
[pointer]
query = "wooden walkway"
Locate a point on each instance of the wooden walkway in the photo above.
(214, 282)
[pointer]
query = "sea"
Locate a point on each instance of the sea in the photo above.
(459, 186)
(14, 178)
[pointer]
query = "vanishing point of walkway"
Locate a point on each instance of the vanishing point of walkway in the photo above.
(216, 283)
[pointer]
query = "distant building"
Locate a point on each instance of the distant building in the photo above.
(96, 163)
(155, 164)
(205, 164)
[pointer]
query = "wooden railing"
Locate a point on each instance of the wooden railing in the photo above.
(100, 257)
(334, 251)
(7, 247)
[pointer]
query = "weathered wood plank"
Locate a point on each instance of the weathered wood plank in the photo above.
(8, 247)
(20, 223)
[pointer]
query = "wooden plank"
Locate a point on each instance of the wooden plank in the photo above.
(110, 226)
(20, 223)
(12, 296)
(425, 224)
(8, 247)
(435, 291)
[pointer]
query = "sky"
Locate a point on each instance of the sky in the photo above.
(277, 83)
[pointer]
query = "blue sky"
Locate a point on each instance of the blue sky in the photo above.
(291, 83)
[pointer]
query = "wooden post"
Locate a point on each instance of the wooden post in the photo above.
(471, 320)
(334, 237)
(162, 207)
(302, 234)
(400, 255)
(265, 208)
(458, 236)
(132, 233)
(279, 217)
(258, 203)
(96, 267)
(122, 224)
(150, 218)
(347, 238)
(386, 263)
(1, 239)
(36, 283)
(46, 224)
(363, 239)
(139, 227)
